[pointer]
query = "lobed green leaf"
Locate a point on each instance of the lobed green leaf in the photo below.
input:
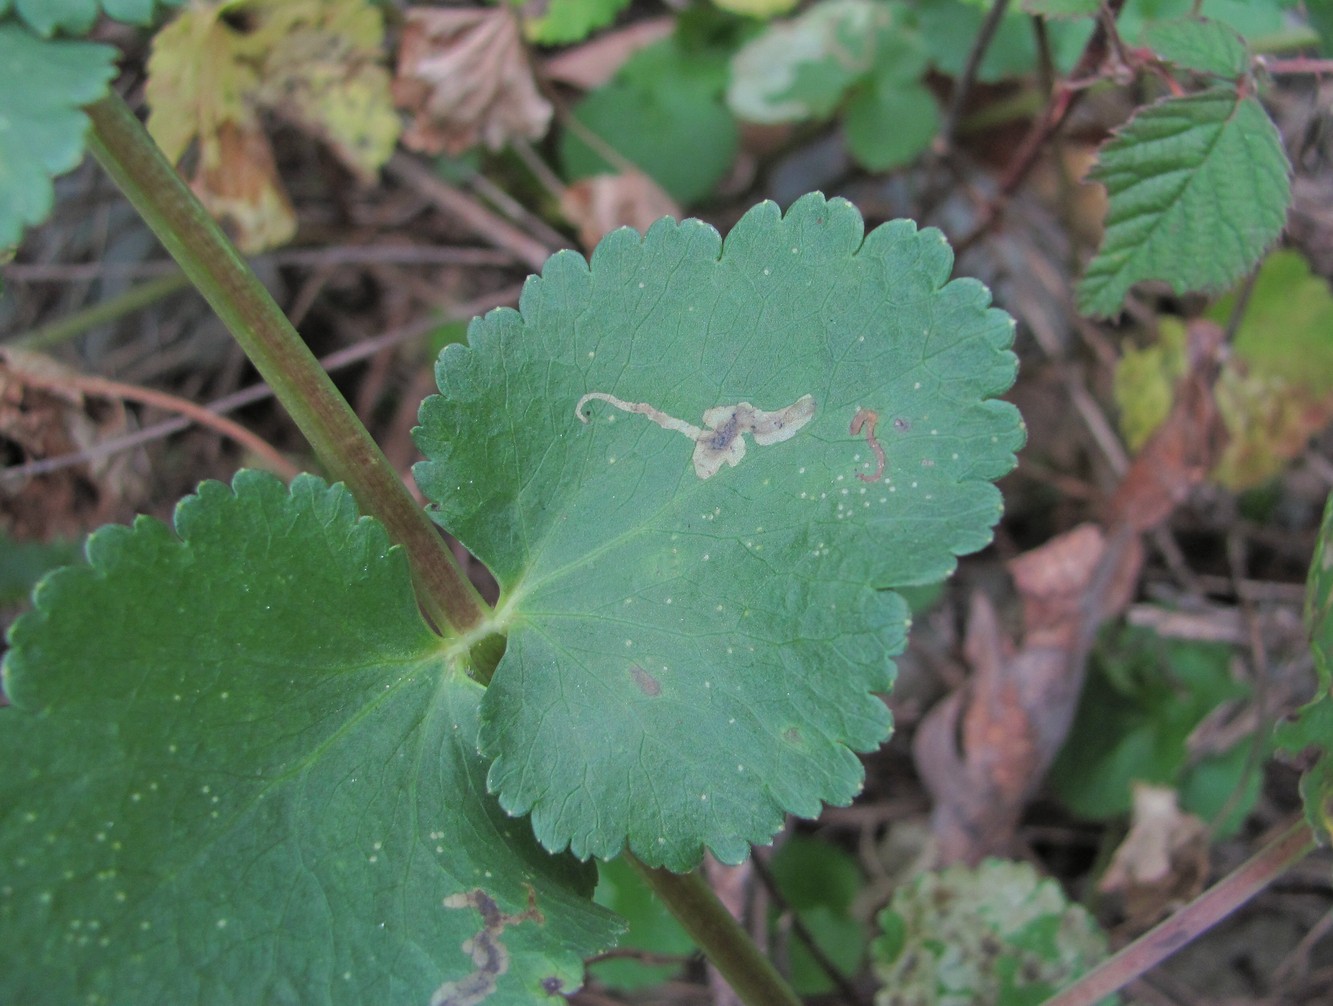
(1199, 188)
(694, 643)
(45, 83)
(77, 17)
(241, 769)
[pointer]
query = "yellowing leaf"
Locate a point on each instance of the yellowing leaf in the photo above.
(1276, 388)
(219, 66)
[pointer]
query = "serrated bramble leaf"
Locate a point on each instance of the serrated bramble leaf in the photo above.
(564, 21)
(77, 17)
(1313, 727)
(240, 768)
(1201, 45)
(1199, 188)
(45, 83)
(690, 466)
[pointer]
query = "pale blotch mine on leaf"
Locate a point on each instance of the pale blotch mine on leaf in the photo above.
(722, 439)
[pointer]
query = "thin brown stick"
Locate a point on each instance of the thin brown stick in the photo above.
(1196, 918)
(1061, 103)
(254, 393)
(469, 212)
(101, 387)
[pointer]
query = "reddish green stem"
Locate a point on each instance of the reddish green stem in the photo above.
(1196, 918)
(342, 443)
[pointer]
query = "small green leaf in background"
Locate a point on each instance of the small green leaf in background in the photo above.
(564, 21)
(1313, 727)
(890, 123)
(1061, 8)
(1199, 188)
(1276, 386)
(77, 17)
(651, 928)
(1200, 44)
(663, 111)
(757, 8)
(1144, 698)
(240, 768)
(995, 935)
(45, 83)
(949, 29)
(636, 451)
(819, 881)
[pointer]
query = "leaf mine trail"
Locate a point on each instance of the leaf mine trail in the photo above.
(722, 440)
(488, 953)
(867, 418)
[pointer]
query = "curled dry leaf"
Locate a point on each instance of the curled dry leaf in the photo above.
(1183, 450)
(600, 204)
(983, 751)
(1163, 861)
(464, 76)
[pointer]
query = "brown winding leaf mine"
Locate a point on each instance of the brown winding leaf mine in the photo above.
(867, 418)
(488, 953)
(722, 441)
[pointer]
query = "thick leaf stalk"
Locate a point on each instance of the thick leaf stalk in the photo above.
(342, 443)
(749, 973)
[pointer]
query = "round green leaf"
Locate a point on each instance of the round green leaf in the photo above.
(240, 769)
(663, 112)
(890, 123)
(665, 457)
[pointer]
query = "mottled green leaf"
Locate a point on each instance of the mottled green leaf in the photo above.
(239, 768)
(45, 83)
(663, 458)
(998, 934)
(1198, 189)
(801, 68)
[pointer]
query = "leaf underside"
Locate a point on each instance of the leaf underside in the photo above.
(693, 650)
(1198, 187)
(240, 769)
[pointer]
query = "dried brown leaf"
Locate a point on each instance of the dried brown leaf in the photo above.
(602, 203)
(1163, 861)
(40, 419)
(464, 76)
(237, 181)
